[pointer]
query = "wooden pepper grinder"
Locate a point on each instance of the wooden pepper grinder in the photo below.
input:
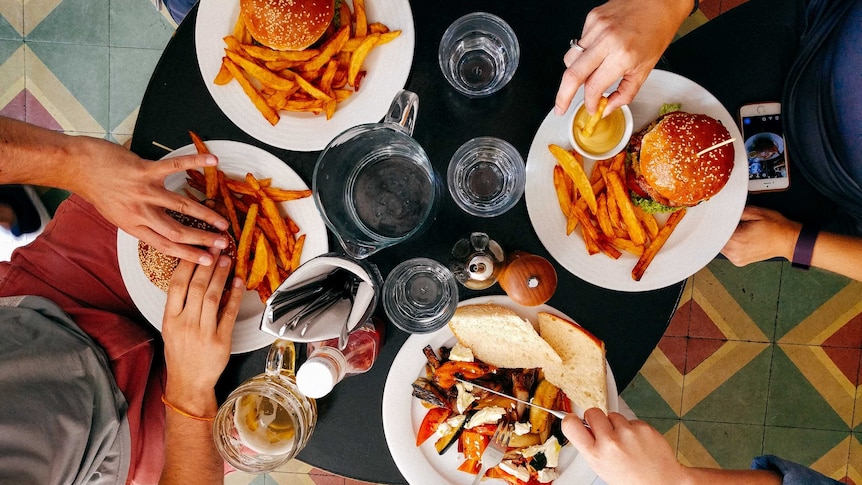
(528, 279)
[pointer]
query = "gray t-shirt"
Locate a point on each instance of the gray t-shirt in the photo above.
(62, 416)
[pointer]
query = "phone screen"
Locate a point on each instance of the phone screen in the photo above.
(764, 143)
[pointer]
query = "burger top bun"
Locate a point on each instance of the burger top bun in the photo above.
(287, 24)
(669, 162)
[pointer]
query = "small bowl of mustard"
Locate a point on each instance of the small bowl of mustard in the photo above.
(609, 135)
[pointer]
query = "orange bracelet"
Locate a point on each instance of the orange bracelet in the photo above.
(183, 413)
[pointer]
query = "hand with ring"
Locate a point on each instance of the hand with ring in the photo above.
(621, 39)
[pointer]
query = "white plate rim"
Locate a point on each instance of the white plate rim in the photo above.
(235, 159)
(699, 236)
(422, 464)
(388, 67)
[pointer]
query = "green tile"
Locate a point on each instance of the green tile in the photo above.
(136, 23)
(9, 47)
(730, 445)
(794, 402)
(755, 288)
(83, 70)
(803, 446)
(802, 293)
(73, 22)
(130, 72)
(7, 29)
(645, 401)
(742, 397)
(663, 425)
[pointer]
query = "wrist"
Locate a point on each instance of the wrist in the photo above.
(195, 402)
(803, 249)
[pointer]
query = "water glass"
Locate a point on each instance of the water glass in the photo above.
(420, 295)
(486, 176)
(479, 54)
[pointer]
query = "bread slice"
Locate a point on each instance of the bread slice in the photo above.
(498, 336)
(583, 373)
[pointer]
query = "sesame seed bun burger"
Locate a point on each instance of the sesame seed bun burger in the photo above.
(666, 172)
(287, 24)
(159, 267)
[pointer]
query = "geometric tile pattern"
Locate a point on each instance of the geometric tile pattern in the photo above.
(760, 359)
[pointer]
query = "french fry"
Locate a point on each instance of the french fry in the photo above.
(594, 118)
(358, 57)
(361, 20)
(588, 231)
(266, 77)
(258, 265)
(576, 172)
(270, 210)
(331, 47)
(603, 217)
(624, 202)
(259, 102)
(245, 239)
(210, 172)
(224, 76)
(269, 55)
(627, 246)
(297, 253)
(656, 244)
(648, 221)
(563, 187)
(272, 277)
(227, 198)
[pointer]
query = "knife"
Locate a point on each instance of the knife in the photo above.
(554, 412)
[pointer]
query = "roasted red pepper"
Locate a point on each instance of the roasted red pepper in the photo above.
(429, 425)
(444, 375)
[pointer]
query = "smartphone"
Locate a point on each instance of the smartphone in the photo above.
(763, 136)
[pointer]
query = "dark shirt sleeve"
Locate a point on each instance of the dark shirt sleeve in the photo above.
(792, 473)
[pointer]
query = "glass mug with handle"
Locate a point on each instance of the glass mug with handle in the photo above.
(374, 183)
(266, 421)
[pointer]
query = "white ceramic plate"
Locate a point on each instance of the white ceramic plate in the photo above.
(387, 65)
(403, 413)
(696, 240)
(235, 160)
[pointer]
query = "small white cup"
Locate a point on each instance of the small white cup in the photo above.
(625, 131)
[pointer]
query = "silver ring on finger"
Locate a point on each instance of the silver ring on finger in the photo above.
(574, 45)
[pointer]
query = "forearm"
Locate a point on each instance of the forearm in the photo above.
(839, 254)
(37, 156)
(190, 453)
(718, 476)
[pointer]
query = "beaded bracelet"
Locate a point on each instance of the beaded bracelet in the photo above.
(183, 413)
(804, 247)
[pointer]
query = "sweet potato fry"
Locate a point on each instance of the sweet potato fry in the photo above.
(358, 57)
(224, 76)
(656, 244)
(243, 248)
(618, 191)
(329, 49)
(576, 172)
(270, 114)
(360, 17)
(297, 253)
(258, 265)
(210, 173)
(227, 198)
(269, 55)
(266, 77)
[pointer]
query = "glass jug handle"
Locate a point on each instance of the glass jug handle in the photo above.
(403, 111)
(281, 359)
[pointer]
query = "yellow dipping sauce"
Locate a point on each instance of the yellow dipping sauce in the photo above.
(609, 131)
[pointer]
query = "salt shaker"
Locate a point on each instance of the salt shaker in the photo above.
(326, 365)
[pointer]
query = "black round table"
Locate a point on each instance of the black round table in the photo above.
(349, 437)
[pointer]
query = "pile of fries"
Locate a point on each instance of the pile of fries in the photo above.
(268, 249)
(601, 205)
(313, 80)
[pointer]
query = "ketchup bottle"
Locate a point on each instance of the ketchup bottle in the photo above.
(326, 365)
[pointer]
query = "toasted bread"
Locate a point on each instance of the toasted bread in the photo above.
(498, 336)
(583, 374)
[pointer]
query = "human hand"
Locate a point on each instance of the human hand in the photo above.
(761, 234)
(130, 193)
(622, 39)
(622, 451)
(196, 333)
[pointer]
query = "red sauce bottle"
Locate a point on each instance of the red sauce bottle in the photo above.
(326, 365)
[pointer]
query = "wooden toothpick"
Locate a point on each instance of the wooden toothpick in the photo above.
(721, 144)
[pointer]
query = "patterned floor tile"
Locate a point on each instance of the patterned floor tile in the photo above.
(135, 23)
(805, 292)
(802, 394)
(719, 445)
(130, 71)
(68, 22)
(77, 99)
(12, 81)
(731, 385)
(822, 450)
(836, 320)
(11, 19)
(657, 389)
(740, 301)
(854, 467)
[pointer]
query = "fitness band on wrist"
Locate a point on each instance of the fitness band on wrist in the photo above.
(804, 247)
(183, 413)
(696, 6)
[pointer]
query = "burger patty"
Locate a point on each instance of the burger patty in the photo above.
(159, 267)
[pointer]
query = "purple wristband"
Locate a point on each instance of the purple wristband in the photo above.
(804, 247)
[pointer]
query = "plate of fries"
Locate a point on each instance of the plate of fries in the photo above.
(299, 100)
(290, 195)
(661, 249)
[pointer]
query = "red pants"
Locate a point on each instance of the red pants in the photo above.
(74, 264)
